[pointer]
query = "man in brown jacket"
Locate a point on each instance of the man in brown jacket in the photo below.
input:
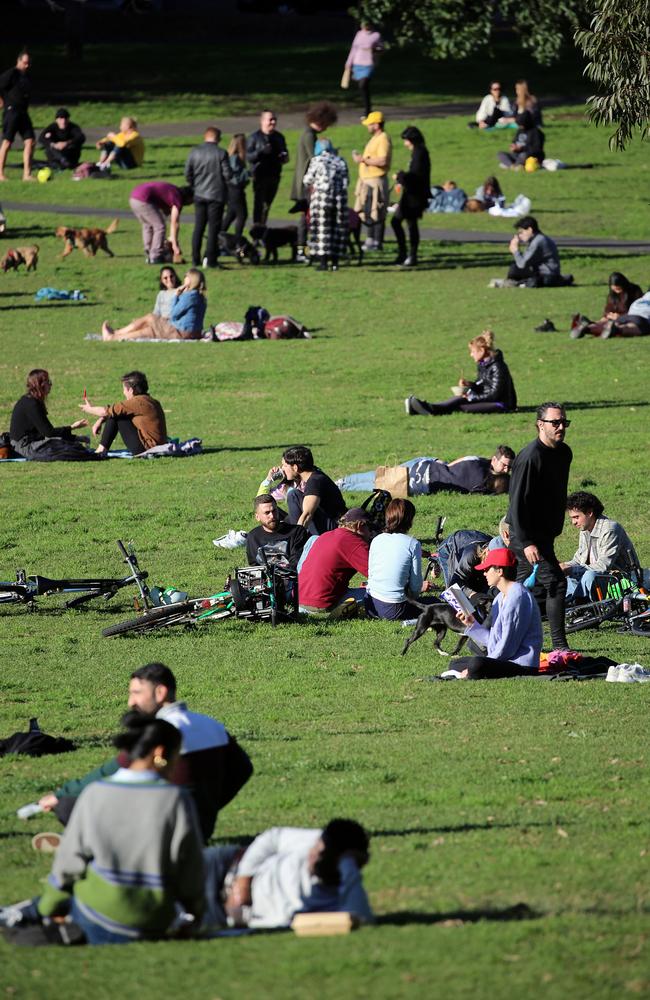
(139, 419)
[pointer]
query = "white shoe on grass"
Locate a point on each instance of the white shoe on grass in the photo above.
(231, 540)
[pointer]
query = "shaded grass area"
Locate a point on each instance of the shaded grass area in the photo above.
(509, 819)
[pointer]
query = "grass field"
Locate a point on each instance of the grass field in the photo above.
(509, 819)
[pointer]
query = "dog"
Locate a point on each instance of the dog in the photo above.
(239, 247)
(354, 235)
(273, 237)
(89, 241)
(440, 617)
(20, 255)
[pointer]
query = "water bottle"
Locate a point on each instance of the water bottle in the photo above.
(31, 809)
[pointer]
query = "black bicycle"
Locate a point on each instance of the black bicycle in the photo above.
(26, 589)
(626, 603)
(256, 593)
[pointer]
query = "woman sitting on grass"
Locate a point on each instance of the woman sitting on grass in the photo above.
(622, 293)
(513, 633)
(31, 433)
(132, 849)
(185, 322)
(395, 567)
(493, 391)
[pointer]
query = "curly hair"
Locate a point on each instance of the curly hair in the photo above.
(323, 114)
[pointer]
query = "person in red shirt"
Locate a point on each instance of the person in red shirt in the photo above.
(333, 559)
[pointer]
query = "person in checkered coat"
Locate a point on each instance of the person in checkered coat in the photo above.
(327, 180)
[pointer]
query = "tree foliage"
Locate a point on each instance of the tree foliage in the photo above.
(455, 29)
(617, 45)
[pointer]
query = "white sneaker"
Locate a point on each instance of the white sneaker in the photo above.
(231, 540)
(612, 673)
(370, 245)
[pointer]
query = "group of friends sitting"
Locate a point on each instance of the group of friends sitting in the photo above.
(133, 862)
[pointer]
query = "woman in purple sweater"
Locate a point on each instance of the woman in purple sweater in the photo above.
(361, 60)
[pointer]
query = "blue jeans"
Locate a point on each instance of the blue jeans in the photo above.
(581, 584)
(364, 482)
(94, 933)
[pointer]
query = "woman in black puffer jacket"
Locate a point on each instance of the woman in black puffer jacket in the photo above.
(493, 390)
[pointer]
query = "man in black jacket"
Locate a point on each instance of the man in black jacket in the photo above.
(283, 540)
(207, 172)
(266, 151)
(15, 91)
(538, 492)
(62, 142)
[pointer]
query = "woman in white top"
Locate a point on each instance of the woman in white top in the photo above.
(395, 567)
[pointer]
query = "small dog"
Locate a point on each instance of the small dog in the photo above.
(87, 240)
(239, 247)
(354, 236)
(20, 255)
(440, 617)
(273, 237)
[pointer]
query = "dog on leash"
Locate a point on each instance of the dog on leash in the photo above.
(89, 241)
(354, 235)
(440, 617)
(239, 247)
(273, 237)
(17, 256)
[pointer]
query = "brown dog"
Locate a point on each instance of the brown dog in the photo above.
(87, 240)
(20, 255)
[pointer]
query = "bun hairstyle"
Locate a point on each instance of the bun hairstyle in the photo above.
(144, 732)
(484, 340)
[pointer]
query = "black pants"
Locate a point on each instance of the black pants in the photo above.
(550, 586)
(364, 90)
(62, 159)
(460, 403)
(533, 278)
(122, 425)
(237, 211)
(414, 234)
(208, 213)
(264, 191)
(484, 667)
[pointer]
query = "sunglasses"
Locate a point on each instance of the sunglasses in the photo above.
(556, 423)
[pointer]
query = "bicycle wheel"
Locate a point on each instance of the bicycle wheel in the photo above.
(640, 625)
(591, 615)
(173, 614)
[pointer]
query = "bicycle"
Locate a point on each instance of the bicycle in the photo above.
(257, 593)
(26, 589)
(625, 602)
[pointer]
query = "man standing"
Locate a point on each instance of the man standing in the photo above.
(266, 151)
(62, 142)
(284, 539)
(212, 763)
(604, 546)
(207, 172)
(315, 501)
(15, 91)
(538, 493)
(152, 203)
(372, 187)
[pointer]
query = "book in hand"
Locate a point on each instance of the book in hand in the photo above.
(458, 599)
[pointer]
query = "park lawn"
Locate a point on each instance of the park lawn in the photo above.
(198, 81)
(567, 202)
(509, 820)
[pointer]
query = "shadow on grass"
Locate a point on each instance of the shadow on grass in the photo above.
(594, 404)
(461, 828)
(520, 911)
(52, 305)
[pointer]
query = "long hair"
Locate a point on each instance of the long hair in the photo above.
(195, 280)
(167, 267)
(37, 383)
(493, 184)
(399, 517)
(413, 134)
(237, 146)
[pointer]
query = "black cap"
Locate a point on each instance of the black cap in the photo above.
(62, 113)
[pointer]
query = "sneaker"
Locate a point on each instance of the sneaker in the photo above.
(399, 260)
(47, 842)
(612, 673)
(410, 262)
(578, 329)
(19, 914)
(414, 407)
(497, 283)
(370, 245)
(450, 674)
(302, 258)
(548, 326)
(607, 330)
(231, 540)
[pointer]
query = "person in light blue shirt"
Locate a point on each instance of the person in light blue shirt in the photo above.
(395, 567)
(513, 633)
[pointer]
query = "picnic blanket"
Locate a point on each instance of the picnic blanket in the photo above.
(172, 449)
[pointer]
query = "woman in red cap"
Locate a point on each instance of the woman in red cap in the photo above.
(512, 634)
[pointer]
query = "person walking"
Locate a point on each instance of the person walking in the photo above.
(266, 151)
(15, 91)
(415, 182)
(208, 173)
(237, 210)
(538, 495)
(360, 64)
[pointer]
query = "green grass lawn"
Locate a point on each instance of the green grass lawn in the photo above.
(480, 797)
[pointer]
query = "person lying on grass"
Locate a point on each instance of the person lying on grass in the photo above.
(492, 391)
(512, 635)
(185, 321)
(416, 476)
(139, 419)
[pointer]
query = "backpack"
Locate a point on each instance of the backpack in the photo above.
(283, 328)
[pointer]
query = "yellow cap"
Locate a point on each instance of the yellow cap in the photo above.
(374, 118)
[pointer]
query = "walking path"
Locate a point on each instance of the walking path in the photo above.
(428, 232)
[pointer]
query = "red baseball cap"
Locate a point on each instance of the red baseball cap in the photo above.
(498, 557)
